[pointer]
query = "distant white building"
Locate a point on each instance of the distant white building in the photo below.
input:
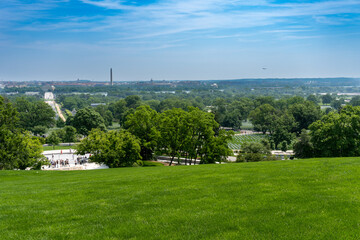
(32, 93)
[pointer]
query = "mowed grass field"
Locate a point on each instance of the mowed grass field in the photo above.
(299, 199)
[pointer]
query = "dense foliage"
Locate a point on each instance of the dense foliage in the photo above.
(86, 119)
(18, 150)
(113, 148)
(36, 116)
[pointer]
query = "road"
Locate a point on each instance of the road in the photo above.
(50, 99)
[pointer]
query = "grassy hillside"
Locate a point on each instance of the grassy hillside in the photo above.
(305, 199)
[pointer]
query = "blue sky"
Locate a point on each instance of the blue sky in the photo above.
(178, 40)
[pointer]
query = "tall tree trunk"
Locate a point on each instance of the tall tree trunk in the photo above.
(172, 159)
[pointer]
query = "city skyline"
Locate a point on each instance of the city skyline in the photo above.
(172, 40)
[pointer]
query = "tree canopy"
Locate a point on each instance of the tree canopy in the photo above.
(86, 119)
(18, 150)
(113, 148)
(34, 116)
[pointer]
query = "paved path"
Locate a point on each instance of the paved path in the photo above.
(71, 156)
(50, 99)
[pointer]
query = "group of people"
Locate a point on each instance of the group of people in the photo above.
(81, 161)
(66, 163)
(59, 163)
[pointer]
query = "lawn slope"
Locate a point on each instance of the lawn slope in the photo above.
(302, 199)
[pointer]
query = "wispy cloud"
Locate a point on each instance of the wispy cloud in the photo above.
(128, 20)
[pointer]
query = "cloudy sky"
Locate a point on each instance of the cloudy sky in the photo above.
(178, 39)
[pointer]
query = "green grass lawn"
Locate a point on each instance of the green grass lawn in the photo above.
(47, 148)
(300, 199)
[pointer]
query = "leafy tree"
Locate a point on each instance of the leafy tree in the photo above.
(263, 117)
(173, 102)
(69, 121)
(303, 148)
(262, 100)
(18, 150)
(132, 101)
(114, 148)
(39, 130)
(124, 107)
(86, 119)
(253, 152)
(284, 146)
(8, 114)
(60, 123)
(312, 98)
(143, 124)
(232, 119)
(337, 134)
(69, 134)
(32, 114)
(304, 114)
(106, 114)
(337, 103)
(216, 147)
(281, 129)
(53, 139)
(200, 126)
(355, 101)
(154, 104)
(174, 132)
(118, 109)
(326, 99)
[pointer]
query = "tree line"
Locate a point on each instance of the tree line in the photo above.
(192, 134)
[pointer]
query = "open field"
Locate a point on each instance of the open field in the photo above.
(238, 140)
(302, 199)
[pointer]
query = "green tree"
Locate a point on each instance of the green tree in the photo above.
(118, 110)
(86, 119)
(284, 146)
(132, 101)
(18, 150)
(281, 129)
(60, 123)
(215, 148)
(337, 134)
(8, 114)
(32, 114)
(114, 148)
(232, 119)
(69, 134)
(39, 130)
(200, 126)
(174, 132)
(312, 98)
(53, 139)
(337, 103)
(143, 124)
(304, 114)
(303, 148)
(326, 99)
(263, 117)
(105, 113)
(253, 152)
(355, 101)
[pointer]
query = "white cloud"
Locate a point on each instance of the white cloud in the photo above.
(170, 17)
